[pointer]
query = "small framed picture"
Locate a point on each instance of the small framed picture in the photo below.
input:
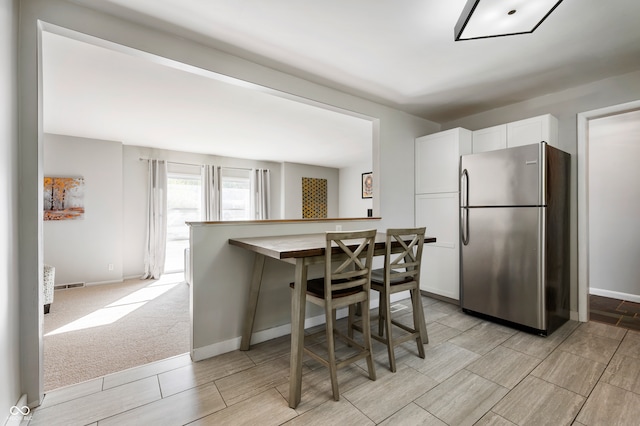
(367, 185)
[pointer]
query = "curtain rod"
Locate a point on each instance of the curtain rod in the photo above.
(198, 165)
(236, 168)
(172, 162)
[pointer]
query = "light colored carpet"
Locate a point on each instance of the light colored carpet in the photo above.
(102, 329)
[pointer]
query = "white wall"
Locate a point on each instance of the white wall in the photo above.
(10, 294)
(351, 202)
(292, 175)
(135, 193)
(565, 106)
(394, 134)
(614, 206)
(81, 250)
(113, 230)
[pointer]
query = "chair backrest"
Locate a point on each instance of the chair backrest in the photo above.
(403, 264)
(348, 260)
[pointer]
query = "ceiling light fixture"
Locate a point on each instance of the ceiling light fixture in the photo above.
(497, 18)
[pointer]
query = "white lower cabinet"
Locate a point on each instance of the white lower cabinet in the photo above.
(440, 260)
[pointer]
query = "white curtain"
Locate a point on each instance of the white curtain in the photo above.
(210, 193)
(156, 220)
(263, 193)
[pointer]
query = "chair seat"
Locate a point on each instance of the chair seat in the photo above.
(315, 287)
(377, 277)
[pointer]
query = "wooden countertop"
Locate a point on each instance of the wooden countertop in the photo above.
(294, 246)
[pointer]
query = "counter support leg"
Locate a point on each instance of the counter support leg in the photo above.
(298, 305)
(254, 292)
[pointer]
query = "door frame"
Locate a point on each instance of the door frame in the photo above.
(583, 197)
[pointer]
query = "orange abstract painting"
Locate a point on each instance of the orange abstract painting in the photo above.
(63, 198)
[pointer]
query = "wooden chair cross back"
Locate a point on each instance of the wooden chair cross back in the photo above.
(406, 263)
(352, 272)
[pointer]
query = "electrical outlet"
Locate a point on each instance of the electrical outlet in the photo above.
(110, 266)
(338, 227)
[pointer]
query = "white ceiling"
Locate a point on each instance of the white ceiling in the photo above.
(97, 93)
(398, 53)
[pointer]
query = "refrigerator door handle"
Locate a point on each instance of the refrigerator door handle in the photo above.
(464, 203)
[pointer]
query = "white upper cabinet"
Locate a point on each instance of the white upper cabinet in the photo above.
(533, 130)
(490, 139)
(517, 133)
(436, 160)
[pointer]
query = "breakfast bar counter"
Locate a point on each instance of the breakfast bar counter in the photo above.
(301, 250)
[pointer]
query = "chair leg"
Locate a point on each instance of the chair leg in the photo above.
(332, 353)
(366, 336)
(381, 310)
(351, 321)
(423, 321)
(418, 320)
(387, 326)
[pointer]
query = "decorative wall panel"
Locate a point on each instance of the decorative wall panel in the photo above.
(314, 198)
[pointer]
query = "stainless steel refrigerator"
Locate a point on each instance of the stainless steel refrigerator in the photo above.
(514, 251)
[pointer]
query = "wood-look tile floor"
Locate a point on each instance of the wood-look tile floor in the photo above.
(474, 372)
(616, 312)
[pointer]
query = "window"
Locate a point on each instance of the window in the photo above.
(185, 203)
(184, 194)
(235, 195)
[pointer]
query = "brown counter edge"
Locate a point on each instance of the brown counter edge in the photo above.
(278, 255)
(271, 221)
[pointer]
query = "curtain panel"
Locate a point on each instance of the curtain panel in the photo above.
(262, 179)
(156, 238)
(211, 192)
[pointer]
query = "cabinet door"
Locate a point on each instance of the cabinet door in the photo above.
(436, 160)
(440, 260)
(533, 130)
(490, 139)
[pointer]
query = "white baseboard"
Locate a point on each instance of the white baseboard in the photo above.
(209, 351)
(220, 348)
(615, 294)
(198, 354)
(104, 282)
(133, 277)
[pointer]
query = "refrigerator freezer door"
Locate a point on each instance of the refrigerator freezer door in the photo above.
(506, 177)
(500, 274)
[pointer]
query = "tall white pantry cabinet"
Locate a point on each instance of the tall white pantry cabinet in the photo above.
(436, 203)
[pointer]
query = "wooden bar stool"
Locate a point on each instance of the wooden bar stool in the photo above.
(401, 273)
(347, 282)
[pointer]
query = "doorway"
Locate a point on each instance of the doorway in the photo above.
(600, 194)
(314, 117)
(614, 206)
